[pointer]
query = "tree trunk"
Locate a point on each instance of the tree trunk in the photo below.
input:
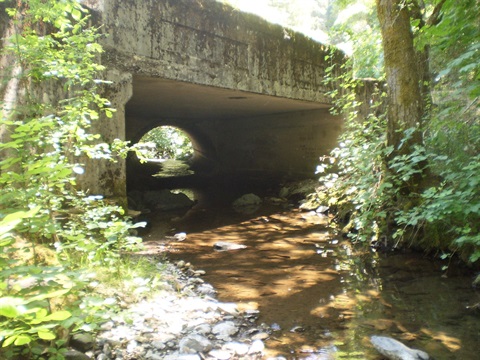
(405, 100)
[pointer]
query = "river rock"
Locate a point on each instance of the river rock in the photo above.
(203, 329)
(227, 246)
(220, 354)
(76, 355)
(257, 347)
(178, 356)
(166, 200)
(322, 209)
(194, 343)
(247, 200)
(150, 355)
(247, 204)
(181, 236)
(237, 347)
(395, 350)
(177, 326)
(228, 308)
(261, 336)
(225, 329)
(206, 289)
(82, 342)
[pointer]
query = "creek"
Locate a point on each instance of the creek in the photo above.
(322, 298)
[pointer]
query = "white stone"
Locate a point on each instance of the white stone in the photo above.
(194, 343)
(220, 354)
(237, 347)
(226, 328)
(257, 347)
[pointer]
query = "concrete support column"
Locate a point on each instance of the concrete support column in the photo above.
(105, 177)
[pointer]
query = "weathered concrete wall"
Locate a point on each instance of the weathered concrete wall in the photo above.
(209, 43)
(106, 177)
(101, 176)
(288, 144)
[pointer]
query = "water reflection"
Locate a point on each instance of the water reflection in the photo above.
(321, 299)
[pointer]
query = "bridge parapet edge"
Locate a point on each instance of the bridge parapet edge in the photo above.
(210, 43)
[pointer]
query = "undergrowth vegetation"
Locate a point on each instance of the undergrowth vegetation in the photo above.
(54, 238)
(363, 180)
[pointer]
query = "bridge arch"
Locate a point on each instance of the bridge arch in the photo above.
(203, 162)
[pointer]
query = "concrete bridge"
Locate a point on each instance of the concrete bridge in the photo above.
(249, 94)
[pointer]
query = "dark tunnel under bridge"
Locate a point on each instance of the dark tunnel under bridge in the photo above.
(237, 136)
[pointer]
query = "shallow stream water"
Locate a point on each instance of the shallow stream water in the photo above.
(321, 298)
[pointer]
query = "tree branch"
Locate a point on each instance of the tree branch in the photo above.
(436, 16)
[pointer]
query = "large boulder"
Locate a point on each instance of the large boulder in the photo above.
(394, 350)
(166, 200)
(247, 204)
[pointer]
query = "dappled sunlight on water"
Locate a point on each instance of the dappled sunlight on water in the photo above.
(323, 299)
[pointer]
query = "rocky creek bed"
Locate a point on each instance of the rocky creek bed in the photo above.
(182, 320)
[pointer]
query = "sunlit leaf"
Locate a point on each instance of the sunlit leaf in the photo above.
(22, 339)
(8, 311)
(59, 315)
(46, 335)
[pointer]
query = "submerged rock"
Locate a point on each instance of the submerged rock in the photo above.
(226, 246)
(246, 200)
(247, 204)
(395, 350)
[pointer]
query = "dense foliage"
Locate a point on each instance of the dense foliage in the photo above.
(444, 214)
(51, 97)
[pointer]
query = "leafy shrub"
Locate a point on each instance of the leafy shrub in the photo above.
(363, 181)
(354, 174)
(54, 69)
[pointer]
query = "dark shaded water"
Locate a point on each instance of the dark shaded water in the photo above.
(322, 298)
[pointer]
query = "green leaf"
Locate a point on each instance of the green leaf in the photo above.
(9, 340)
(8, 311)
(42, 313)
(58, 315)
(46, 335)
(76, 14)
(22, 340)
(8, 306)
(53, 294)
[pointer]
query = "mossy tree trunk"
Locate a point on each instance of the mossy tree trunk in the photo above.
(404, 73)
